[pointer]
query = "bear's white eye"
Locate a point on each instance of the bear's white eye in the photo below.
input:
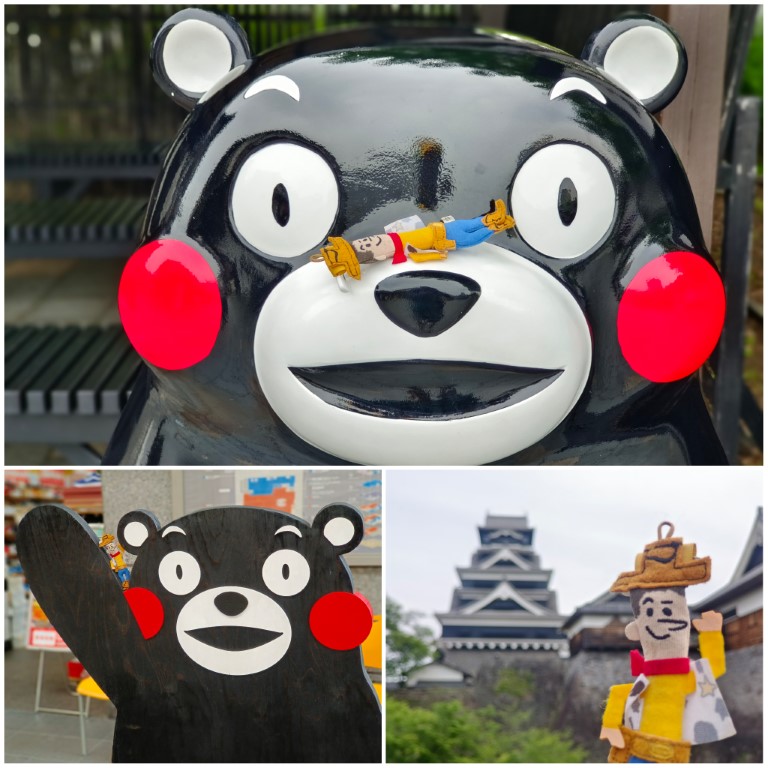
(179, 573)
(285, 572)
(563, 201)
(284, 200)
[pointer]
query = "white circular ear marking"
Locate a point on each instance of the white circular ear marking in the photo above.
(644, 60)
(135, 534)
(339, 531)
(196, 55)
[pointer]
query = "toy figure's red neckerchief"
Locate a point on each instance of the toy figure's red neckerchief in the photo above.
(640, 666)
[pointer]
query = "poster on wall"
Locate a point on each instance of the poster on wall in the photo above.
(272, 492)
(361, 489)
(206, 489)
(301, 492)
(41, 636)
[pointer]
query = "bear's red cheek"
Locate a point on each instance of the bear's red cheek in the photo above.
(340, 620)
(170, 304)
(147, 610)
(670, 316)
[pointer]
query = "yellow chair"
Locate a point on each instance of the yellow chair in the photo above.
(372, 654)
(87, 690)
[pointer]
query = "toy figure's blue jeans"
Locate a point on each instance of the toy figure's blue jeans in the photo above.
(467, 232)
(634, 759)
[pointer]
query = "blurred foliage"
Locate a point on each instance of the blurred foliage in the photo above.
(752, 84)
(450, 731)
(409, 643)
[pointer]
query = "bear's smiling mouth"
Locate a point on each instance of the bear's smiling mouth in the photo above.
(431, 390)
(234, 638)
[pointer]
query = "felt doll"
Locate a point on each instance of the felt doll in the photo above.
(674, 701)
(425, 243)
(109, 544)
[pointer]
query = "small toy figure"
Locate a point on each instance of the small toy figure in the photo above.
(109, 544)
(674, 702)
(424, 243)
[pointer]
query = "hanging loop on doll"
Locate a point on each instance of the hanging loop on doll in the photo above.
(670, 533)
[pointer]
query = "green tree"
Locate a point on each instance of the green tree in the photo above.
(447, 732)
(752, 84)
(409, 643)
(450, 731)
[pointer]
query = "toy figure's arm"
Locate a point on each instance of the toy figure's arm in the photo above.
(711, 640)
(76, 588)
(613, 716)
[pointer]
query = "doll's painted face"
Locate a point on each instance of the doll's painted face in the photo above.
(377, 247)
(662, 622)
(112, 548)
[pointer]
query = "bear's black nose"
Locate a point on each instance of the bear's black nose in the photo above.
(231, 603)
(426, 303)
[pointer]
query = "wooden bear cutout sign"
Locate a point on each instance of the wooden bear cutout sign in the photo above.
(237, 641)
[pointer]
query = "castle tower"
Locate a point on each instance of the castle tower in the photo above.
(504, 608)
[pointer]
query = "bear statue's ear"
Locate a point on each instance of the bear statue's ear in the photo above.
(643, 55)
(341, 525)
(134, 529)
(193, 50)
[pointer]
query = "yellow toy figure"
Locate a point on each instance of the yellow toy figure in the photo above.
(674, 702)
(109, 544)
(424, 243)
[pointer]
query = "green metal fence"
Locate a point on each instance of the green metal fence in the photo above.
(81, 72)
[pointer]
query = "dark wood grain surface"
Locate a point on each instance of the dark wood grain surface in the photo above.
(234, 673)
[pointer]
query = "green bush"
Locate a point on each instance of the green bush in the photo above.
(450, 732)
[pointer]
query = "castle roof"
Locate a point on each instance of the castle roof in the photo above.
(504, 597)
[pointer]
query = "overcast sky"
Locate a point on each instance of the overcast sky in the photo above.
(589, 524)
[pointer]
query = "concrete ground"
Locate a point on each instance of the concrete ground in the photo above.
(58, 292)
(45, 737)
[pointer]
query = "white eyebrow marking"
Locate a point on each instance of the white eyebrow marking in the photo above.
(274, 83)
(568, 84)
(173, 529)
(289, 529)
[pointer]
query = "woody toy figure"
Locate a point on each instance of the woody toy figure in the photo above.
(109, 544)
(674, 701)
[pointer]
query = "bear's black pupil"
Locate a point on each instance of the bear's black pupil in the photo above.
(286, 571)
(281, 208)
(178, 572)
(567, 201)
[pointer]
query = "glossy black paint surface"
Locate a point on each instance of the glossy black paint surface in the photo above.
(426, 303)
(470, 111)
(416, 389)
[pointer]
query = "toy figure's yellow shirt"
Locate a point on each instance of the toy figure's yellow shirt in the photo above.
(664, 699)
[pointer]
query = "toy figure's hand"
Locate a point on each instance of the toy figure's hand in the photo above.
(614, 736)
(340, 257)
(497, 218)
(710, 621)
